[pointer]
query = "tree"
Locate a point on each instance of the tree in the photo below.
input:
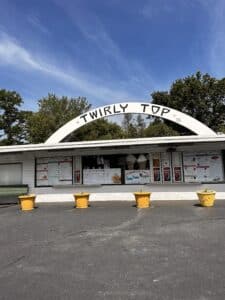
(53, 113)
(201, 96)
(11, 118)
(140, 125)
(100, 129)
(159, 128)
(129, 126)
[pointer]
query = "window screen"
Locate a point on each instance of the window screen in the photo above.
(10, 174)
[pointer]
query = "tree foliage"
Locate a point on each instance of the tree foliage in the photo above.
(53, 113)
(133, 126)
(128, 125)
(159, 128)
(199, 95)
(11, 118)
(140, 125)
(100, 129)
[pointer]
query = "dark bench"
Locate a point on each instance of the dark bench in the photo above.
(10, 193)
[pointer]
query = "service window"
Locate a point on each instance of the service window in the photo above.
(116, 169)
(102, 169)
(10, 174)
(53, 171)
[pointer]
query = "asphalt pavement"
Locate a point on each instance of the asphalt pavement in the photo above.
(174, 250)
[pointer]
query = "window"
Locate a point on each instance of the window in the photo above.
(116, 169)
(102, 169)
(10, 174)
(53, 171)
(141, 168)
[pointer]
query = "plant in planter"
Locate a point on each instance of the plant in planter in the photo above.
(27, 202)
(81, 200)
(142, 199)
(206, 197)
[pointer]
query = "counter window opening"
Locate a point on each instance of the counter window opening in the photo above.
(141, 168)
(116, 169)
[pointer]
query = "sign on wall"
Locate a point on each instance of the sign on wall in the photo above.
(137, 176)
(203, 166)
(102, 176)
(155, 163)
(177, 167)
(53, 171)
(166, 166)
(77, 169)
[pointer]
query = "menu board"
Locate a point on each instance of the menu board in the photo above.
(53, 171)
(42, 173)
(77, 167)
(156, 167)
(203, 166)
(190, 167)
(137, 176)
(177, 166)
(166, 167)
(102, 176)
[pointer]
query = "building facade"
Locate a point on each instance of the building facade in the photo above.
(170, 167)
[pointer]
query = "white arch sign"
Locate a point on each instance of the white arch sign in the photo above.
(133, 108)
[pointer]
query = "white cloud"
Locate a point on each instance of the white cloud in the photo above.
(35, 21)
(95, 31)
(136, 74)
(12, 53)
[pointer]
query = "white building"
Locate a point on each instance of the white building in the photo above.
(170, 167)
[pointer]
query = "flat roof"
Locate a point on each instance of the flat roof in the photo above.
(114, 143)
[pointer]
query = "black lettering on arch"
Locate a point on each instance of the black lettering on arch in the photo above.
(107, 110)
(165, 111)
(84, 117)
(155, 109)
(124, 107)
(100, 112)
(93, 114)
(144, 106)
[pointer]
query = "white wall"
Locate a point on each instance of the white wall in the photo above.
(183, 191)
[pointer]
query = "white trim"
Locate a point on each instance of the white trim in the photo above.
(133, 108)
(159, 196)
(114, 143)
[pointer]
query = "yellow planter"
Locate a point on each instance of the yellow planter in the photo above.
(81, 200)
(142, 199)
(206, 198)
(27, 202)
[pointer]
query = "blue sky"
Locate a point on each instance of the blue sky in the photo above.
(109, 51)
